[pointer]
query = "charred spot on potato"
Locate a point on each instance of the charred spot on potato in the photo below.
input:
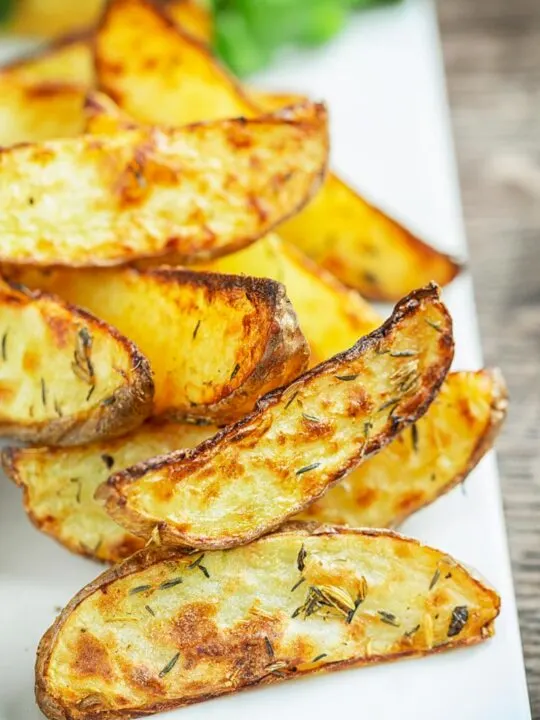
(108, 460)
(460, 616)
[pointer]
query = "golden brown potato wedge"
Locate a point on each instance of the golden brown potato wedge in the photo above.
(59, 484)
(199, 191)
(65, 376)
(67, 59)
(53, 17)
(423, 462)
(363, 247)
(167, 628)
(216, 343)
(172, 79)
(171, 65)
(346, 316)
(252, 476)
(458, 428)
(36, 111)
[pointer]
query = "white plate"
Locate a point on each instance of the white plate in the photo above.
(383, 81)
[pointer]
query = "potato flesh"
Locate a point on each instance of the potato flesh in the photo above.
(64, 62)
(297, 443)
(59, 485)
(40, 379)
(229, 622)
(346, 315)
(195, 310)
(198, 191)
(34, 112)
(174, 81)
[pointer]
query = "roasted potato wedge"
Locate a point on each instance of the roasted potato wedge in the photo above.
(172, 79)
(167, 628)
(65, 60)
(36, 111)
(346, 315)
(249, 478)
(65, 376)
(68, 58)
(364, 247)
(59, 484)
(423, 462)
(251, 319)
(199, 191)
(415, 468)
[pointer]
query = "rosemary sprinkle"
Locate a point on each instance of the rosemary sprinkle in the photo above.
(435, 579)
(307, 468)
(169, 666)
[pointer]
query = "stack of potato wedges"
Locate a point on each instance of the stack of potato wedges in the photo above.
(206, 397)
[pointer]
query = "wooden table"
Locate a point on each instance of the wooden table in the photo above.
(492, 57)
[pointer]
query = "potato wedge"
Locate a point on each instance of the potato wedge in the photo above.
(249, 478)
(250, 320)
(167, 628)
(67, 59)
(346, 315)
(423, 462)
(199, 191)
(65, 376)
(36, 111)
(59, 484)
(172, 79)
(461, 425)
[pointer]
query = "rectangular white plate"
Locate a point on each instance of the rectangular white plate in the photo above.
(384, 84)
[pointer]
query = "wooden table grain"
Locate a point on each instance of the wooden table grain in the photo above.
(492, 58)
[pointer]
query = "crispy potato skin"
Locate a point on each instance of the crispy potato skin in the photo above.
(176, 80)
(232, 623)
(346, 315)
(198, 191)
(261, 345)
(423, 463)
(58, 485)
(66, 377)
(324, 416)
(461, 423)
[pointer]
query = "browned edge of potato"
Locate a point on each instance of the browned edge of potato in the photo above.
(216, 342)
(389, 597)
(342, 426)
(127, 400)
